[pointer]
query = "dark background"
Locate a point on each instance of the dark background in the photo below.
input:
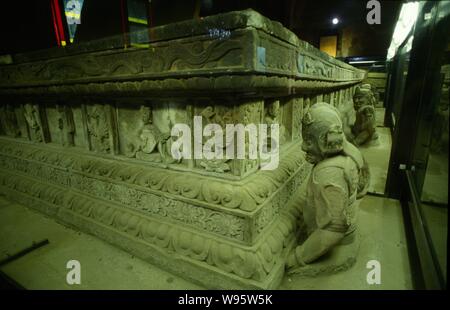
(27, 25)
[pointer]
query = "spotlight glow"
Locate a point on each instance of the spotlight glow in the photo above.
(406, 21)
(335, 21)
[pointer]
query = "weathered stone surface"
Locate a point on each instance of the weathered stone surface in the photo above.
(85, 138)
(342, 257)
(378, 81)
(337, 180)
(364, 128)
(252, 49)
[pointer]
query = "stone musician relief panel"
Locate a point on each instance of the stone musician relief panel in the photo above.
(35, 122)
(141, 130)
(219, 114)
(9, 123)
(61, 124)
(80, 135)
(38, 122)
(145, 130)
(67, 125)
(297, 115)
(274, 113)
(250, 113)
(100, 128)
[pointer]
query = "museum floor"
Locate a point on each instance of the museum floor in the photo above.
(106, 267)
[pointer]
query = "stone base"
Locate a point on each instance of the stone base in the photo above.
(203, 254)
(190, 269)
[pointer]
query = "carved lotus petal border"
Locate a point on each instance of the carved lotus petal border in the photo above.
(246, 195)
(253, 263)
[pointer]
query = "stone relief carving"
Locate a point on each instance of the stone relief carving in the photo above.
(211, 115)
(227, 225)
(297, 115)
(153, 145)
(140, 199)
(54, 175)
(224, 224)
(278, 56)
(273, 116)
(98, 130)
(216, 165)
(198, 188)
(8, 121)
(32, 116)
(142, 62)
(309, 67)
(248, 264)
(66, 125)
(200, 54)
(170, 86)
(252, 113)
(338, 178)
(314, 66)
(66, 69)
(179, 56)
(281, 198)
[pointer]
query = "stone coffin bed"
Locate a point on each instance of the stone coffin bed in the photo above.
(71, 117)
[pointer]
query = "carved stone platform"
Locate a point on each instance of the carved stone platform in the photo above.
(85, 132)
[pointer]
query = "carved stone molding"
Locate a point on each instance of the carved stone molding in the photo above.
(251, 267)
(177, 63)
(225, 208)
(249, 86)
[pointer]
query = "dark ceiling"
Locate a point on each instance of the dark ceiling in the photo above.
(29, 27)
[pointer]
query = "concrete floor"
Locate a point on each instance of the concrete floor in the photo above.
(103, 266)
(106, 267)
(383, 239)
(379, 115)
(377, 154)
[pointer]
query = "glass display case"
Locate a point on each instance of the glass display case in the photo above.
(417, 109)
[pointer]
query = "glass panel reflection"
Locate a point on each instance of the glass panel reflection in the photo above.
(435, 188)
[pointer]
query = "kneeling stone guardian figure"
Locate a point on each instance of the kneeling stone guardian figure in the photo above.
(338, 179)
